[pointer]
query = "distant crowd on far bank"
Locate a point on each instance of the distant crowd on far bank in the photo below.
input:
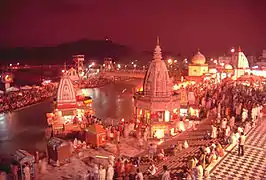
(24, 97)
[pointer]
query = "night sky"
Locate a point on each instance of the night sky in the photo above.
(214, 26)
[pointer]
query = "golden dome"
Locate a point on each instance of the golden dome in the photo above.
(228, 67)
(198, 58)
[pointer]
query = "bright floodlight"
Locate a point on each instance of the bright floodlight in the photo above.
(232, 50)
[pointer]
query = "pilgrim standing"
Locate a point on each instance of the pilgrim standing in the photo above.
(110, 172)
(242, 140)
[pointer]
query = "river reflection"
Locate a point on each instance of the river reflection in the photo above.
(25, 128)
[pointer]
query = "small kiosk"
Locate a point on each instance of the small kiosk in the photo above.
(95, 135)
(23, 157)
(58, 150)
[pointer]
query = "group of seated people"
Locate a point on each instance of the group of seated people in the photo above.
(13, 100)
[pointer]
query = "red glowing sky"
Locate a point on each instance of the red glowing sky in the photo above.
(183, 25)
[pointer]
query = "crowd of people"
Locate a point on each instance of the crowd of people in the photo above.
(14, 100)
(94, 82)
(233, 107)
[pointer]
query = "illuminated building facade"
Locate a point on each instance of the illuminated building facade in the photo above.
(157, 105)
(198, 67)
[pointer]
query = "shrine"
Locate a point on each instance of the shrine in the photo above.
(157, 105)
(67, 116)
(240, 64)
(198, 67)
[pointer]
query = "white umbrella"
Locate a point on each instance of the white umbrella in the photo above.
(26, 87)
(12, 89)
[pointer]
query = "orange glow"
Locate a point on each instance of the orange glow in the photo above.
(139, 89)
(7, 78)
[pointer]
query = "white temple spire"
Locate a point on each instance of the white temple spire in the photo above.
(157, 51)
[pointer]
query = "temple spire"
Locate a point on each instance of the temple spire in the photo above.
(158, 41)
(157, 51)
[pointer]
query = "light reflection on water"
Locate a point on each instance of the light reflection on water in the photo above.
(26, 128)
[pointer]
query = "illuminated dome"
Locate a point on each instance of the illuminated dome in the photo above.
(228, 67)
(157, 82)
(198, 58)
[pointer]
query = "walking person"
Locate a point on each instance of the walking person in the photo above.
(242, 140)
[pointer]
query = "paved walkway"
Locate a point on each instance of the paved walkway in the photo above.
(250, 166)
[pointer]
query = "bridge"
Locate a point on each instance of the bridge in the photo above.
(140, 74)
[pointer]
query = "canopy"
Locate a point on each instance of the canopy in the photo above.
(54, 141)
(26, 87)
(96, 129)
(12, 89)
(22, 156)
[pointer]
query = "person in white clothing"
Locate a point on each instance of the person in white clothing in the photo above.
(242, 140)
(152, 169)
(166, 174)
(110, 172)
(27, 172)
(139, 175)
(102, 173)
(199, 175)
(224, 123)
(214, 132)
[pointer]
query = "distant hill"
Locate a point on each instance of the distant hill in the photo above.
(92, 49)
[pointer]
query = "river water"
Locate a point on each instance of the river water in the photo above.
(25, 128)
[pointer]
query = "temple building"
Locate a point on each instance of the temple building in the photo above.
(157, 105)
(240, 63)
(198, 67)
(66, 103)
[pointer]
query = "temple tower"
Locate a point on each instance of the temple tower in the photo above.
(157, 105)
(66, 95)
(79, 61)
